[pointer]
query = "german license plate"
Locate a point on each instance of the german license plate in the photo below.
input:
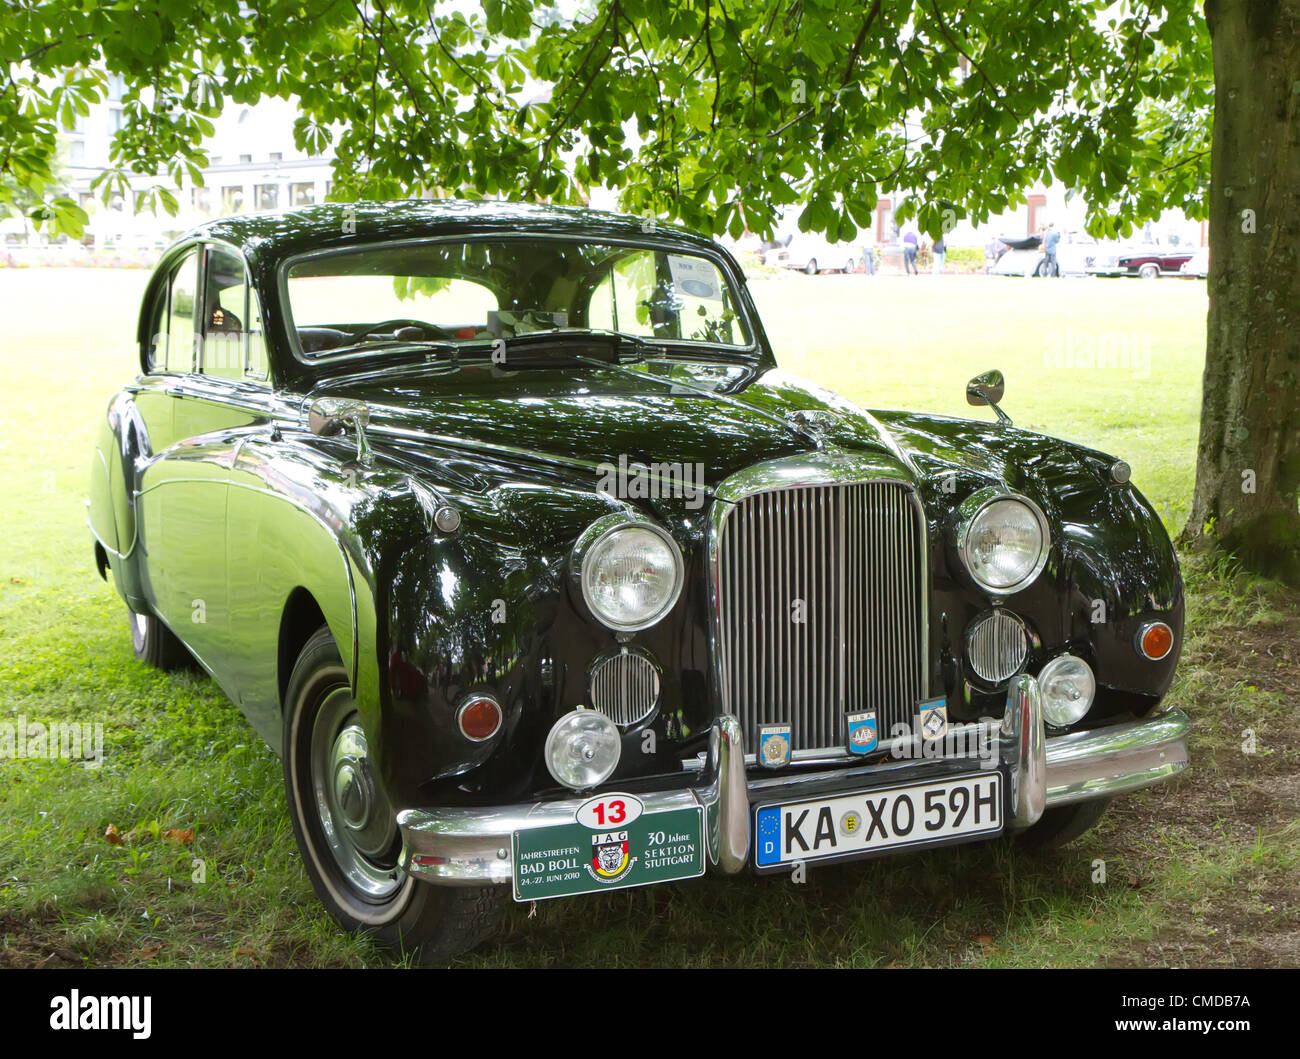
(611, 845)
(885, 818)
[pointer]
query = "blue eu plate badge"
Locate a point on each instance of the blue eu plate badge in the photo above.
(934, 718)
(774, 745)
(862, 732)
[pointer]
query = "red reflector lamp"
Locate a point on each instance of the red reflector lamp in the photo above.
(1155, 640)
(479, 718)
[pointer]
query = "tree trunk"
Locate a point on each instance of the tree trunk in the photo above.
(1248, 457)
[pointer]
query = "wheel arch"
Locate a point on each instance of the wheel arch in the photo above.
(299, 620)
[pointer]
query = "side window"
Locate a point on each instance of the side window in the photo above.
(256, 367)
(182, 350)
(156, 342)
(225, 293)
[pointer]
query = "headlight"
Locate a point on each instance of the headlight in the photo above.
(1002, 540)
(1068, 688)
(631, 572)
(583, 749)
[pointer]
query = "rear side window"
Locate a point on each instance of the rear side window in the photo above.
(225, 305)
(182, 349)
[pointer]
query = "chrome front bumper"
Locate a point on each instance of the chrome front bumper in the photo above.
(471, 847)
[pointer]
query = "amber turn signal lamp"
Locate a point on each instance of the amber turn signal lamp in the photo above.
(479, 717)
(1155, 640)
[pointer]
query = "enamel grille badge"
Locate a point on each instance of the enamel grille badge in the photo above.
(774, 745)
(934, 719)
(862, 732)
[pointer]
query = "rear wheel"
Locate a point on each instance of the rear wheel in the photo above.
(851, 267)
(1149, 271)
(155, 644)
(347, 830)
(810, 269)
(1064, 824)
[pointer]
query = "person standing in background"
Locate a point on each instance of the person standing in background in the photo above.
(910, 244)
(940, 252)
(1050, 238)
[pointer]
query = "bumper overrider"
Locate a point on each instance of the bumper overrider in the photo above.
(474, 846)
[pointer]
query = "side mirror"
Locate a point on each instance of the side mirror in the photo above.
(330, 416)
(988, 388)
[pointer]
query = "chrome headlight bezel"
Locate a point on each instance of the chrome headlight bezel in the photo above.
(600, 531)
(969, 512)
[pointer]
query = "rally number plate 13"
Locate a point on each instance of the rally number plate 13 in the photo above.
(846, 824)
(611, 844)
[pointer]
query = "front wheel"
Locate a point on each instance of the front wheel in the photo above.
(154, 644)
(810, 269)
(1062, 825)
(1149, 272)
(347, 830)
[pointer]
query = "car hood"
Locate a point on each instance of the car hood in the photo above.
(723, 420)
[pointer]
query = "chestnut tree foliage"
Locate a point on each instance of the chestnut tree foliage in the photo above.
(720, 114)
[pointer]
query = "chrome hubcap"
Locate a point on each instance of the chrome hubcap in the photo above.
(360, 826)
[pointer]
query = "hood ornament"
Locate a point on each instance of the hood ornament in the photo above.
(812, 423)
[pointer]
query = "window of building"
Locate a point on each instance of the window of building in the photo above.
(232, 199)
(201, 201)
(302, 194)
(277, 156)
(267, 196)
(116, 118)
(116, 87)
(76, 152)
(245, 158)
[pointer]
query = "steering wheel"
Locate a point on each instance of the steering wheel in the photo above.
(384, 325)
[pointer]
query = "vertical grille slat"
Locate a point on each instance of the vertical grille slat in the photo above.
(854, 555)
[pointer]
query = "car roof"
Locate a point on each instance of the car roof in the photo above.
(274, 235)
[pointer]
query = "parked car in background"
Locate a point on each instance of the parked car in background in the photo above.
(544, 580)
(1198, 264)
(1147, 261)
(1076, 254)
(811, 254)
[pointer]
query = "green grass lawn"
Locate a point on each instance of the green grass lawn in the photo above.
(1200, 871)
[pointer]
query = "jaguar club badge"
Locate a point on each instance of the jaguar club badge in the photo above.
(934, 719)
(862, 732)
(609, 855)
(774, 745)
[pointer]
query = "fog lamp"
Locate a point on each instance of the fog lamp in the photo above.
(1068, 688)
(583, 749)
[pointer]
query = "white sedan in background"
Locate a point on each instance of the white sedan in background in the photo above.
(1077, 254)
(812, 254)
(1198, 264)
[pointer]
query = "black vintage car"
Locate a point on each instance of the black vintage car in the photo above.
(502, 525)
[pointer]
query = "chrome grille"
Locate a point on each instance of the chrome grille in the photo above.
(625, 687)
(849, 560)
(997, 646)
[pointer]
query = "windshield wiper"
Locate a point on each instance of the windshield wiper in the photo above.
(560, 347)
(428, 345)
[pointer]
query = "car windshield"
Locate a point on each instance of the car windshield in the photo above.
(467, 294)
